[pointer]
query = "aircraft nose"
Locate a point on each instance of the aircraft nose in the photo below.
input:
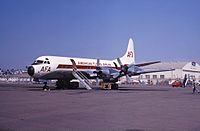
(31, 70)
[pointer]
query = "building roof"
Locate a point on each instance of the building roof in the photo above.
(167, 65)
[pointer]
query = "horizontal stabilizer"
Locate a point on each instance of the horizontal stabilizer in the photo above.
(147, 63)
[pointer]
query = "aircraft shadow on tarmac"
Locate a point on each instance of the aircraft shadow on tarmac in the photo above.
(120, 90)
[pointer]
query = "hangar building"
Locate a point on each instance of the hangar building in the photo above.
(191, 69)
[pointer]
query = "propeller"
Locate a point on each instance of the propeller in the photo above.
(105, 74)
(124, 70)
(98, 71)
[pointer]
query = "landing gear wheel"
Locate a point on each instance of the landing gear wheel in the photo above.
(66, 84)
(45, 87)
(114, 87)
(61, 84)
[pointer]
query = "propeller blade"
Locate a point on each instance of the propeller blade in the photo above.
(98, 71)
(98, 62)
(119, 61)
(128, 79)
(97, 81)
(98, 68)
(115, 65)
(125, 67)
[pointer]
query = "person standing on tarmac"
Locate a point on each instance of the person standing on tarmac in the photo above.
(194, 87)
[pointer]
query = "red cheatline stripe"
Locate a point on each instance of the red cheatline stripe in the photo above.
(62, 66)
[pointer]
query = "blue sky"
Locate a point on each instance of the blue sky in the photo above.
(166, 30)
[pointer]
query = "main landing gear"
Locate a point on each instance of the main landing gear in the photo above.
(66, 84)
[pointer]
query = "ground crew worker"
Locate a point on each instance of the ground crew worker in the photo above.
(194, 87)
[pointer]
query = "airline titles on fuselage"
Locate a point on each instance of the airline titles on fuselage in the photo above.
(93, 63)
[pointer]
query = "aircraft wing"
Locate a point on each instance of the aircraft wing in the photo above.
(146, 63)
(148, 71)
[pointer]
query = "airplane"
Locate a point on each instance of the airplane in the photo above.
(65, 69)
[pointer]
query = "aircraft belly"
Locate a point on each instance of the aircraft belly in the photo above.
(58, 75)
(61, 74)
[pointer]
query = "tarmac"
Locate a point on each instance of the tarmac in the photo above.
(26, 107)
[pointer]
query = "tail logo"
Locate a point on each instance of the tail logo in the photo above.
(130, 54)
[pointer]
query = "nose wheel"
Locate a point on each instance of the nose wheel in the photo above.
(46, 87)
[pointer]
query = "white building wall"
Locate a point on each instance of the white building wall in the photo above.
(178, 74)
(191, 69)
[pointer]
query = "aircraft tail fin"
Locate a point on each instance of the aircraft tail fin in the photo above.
(129, 56)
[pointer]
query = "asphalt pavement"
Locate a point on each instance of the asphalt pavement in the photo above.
(139, 108)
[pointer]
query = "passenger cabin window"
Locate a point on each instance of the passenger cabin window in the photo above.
(147, 76)
(154, 76)
(162, 76)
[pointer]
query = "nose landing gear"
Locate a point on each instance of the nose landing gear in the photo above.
(46, 87)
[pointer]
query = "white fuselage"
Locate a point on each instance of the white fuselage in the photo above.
(56, 67)
(49, 66)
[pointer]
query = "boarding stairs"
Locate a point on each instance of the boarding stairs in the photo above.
(82, 78)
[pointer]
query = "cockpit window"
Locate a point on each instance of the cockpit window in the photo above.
(38, 62)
